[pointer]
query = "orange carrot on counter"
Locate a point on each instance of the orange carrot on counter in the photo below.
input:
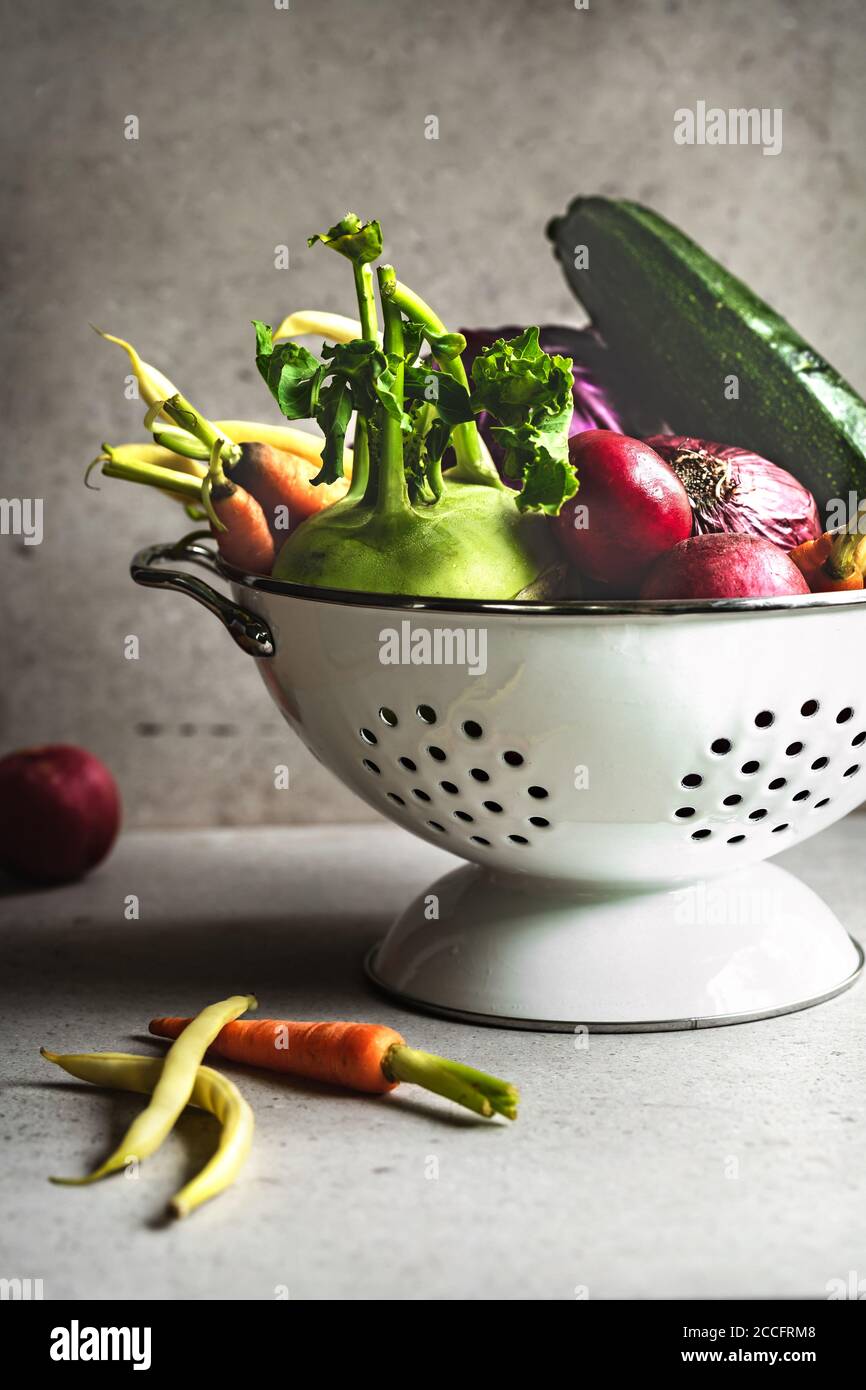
(360, 1056)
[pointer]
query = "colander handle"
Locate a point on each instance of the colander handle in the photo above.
(251, 633)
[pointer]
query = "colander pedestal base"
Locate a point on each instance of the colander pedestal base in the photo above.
(519, 953)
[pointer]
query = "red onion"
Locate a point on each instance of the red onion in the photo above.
(59, 813)
(733, 490)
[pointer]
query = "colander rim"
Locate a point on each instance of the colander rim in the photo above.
(358, 598)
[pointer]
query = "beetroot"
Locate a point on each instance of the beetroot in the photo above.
(721, 565)
(59, 812)
(629, 509)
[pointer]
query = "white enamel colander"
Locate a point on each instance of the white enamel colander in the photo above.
(614, 772)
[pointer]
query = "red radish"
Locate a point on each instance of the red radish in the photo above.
(724, 565)
(630, 508)
(59, 812)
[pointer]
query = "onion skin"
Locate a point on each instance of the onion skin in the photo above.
(724, 566)
(636, 508)
(734, 490)
(59, 813)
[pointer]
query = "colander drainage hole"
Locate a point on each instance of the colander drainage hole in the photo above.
(539, 793)
(434, 825)
(426, 713)
(819, 764)
(371, 766)
(794, 749)
(540, 822)
(450, 788)
(419, 795)
(811, 707)
(859, 740)
(736, 839)
(408, 764)
(397, 800)
(825, 801)
(757, 815)
(702, 834)
(750, 768)
(464, 816)
(693, 779)
(518, 839)
(472, 729)
(493, 806)
(368, 736)
(778, 783)
(479, 774)
(684, 812)
(777, 829)
(733, 800)
(844, 715)
(721, 746)
(515, 759)
(852, 771)
(765, 719)
(438, 753)
(388, 717)
(479, 840)
(802, 796)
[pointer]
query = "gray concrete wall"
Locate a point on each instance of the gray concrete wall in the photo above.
(259, 126)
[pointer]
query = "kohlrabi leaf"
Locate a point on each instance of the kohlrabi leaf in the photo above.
(529, 393)
(360, 242)
(292, 373)
(333, 413)
(427, 386)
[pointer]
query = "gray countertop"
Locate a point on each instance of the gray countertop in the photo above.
(722, 1163)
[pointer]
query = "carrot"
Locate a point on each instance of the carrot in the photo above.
(365, 1057)
(831, 563)
(281, 482)
(246, 542)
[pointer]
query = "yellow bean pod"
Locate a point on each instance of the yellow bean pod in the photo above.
(286, 437)
(319, 323)
(173, 1087)
(211, 1091)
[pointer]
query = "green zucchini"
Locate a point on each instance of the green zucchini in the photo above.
(682, 325)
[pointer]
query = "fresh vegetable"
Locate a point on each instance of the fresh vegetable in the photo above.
(631, 508)
(361, 1056)
(173, 1088)
(282, 485)
(601, 400)
(210, 1091)
(733, 489)
(403, 528)
(720, 363)
(59, 812)
(834, 561)
(721, 565)
(245, 540)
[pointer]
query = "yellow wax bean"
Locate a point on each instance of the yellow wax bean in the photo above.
(211, 1091)
(173, 1087)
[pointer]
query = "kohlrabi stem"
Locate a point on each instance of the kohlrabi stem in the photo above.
(391, 492)
(485, 1095)
(369, 329)
(473, 463)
